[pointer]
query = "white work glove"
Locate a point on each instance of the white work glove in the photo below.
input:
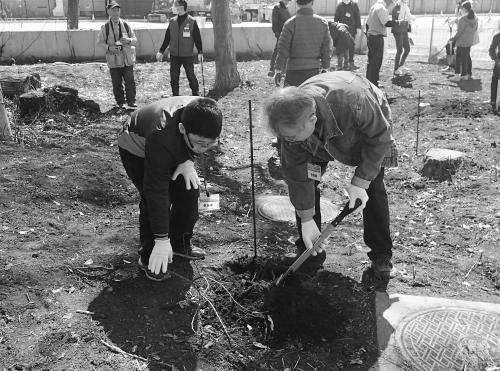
(159, 56)
(358, 31)
(355, 192)
(200, 57)
(161, 256)
(310, 233)
(187, 170)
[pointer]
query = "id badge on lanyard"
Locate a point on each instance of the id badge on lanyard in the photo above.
(314, 172)
(185, 31)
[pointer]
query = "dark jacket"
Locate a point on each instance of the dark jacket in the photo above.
(465, 31)
(305, 42)
(153, 133)
(494, 50)
(182, 35)
(341, 37)
(354, 126)
(279, 17)
(348, 14)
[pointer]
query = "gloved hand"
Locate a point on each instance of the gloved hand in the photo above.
(277, 78)
(358, 31)
(159, 56)
(355, 192)
(323, 70)
(161, 256)
(200, 57)
(310, 233)
(187, 170)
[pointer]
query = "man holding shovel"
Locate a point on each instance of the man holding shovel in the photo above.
(336, 116)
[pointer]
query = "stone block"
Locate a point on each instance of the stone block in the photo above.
(440, 164)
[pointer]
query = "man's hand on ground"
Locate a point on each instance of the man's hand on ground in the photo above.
(161, 256)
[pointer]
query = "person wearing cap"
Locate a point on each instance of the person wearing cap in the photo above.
(119, 40)
(304, 46)
(279, 16)
(181, 36)
(158, 146)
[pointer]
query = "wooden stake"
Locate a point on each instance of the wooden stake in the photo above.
(253, 181)
(418, 122)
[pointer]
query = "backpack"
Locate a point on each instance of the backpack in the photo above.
(106, 29)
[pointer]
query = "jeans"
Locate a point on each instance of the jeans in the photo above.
(375, 56)
(175, 72)
(342, 60)
(183, 211)
(463, 64)
(376, 220)
(351, 50)
(273, 58)
(297, 77)
(118, 75)
(402, 43)
(494, 83)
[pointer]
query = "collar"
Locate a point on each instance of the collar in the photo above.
(305, 11)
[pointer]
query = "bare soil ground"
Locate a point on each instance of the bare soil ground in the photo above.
(69, 287)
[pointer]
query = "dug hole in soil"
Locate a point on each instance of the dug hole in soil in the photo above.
(71, 296)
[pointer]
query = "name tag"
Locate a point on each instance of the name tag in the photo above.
(210, 203)
(348, 15)
(185, 32)
(314, 172)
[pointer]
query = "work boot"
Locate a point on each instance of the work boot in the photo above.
(378, 274)
(150, 275)
(183, 248)
(312, 263)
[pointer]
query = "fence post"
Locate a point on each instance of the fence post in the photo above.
(432, 39)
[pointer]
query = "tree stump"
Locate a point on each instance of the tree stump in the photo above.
(440, 164)
(31, 102)
(62, 99)
(15, 85)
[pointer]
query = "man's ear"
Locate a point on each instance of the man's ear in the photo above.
(182, 129)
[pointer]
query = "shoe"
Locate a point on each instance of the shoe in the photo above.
(346, 67)
(446, 69)
(270, 74)
(120, 105)
(382, 268)
(153, 277)
(352, 66)
(404, 69)
(182, 248)
(455, 78)
(194, 253)
(196, 94)
(132, 105)
(275, 142)
(466, 77)
(378, 274)
(397, 72)
(313, 263)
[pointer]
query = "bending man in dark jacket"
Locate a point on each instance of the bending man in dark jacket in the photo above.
(494, 52)
(336, 116)
(181, 36)
(279, 17)
(157, 144)
(347, 12)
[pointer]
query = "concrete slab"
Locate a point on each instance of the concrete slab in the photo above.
(425, 333)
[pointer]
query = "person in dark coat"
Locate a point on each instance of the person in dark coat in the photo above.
(347, 12)
(279, 17)
(342, 42)
(494, 52)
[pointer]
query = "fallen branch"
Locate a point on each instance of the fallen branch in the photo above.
(85, 312)
(114, 348)
(474, 265)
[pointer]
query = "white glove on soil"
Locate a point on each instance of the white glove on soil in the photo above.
(354, 193)
(161, 256)
(187, 170)
(310, 233)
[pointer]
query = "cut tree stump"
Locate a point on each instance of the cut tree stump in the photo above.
(17, 84)
(440, 164)
(31, 102)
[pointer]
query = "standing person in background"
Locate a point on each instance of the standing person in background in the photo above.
(181, 36)
(464, 39)
(450, 46)
(119, 40)
(401, 13)
(494, 52)
(342, 42)
(347, 12)
(279, 17)
(376, 23)
(304, 46)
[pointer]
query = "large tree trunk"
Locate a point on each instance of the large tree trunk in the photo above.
(73, 14)
(16, 84)
(226, 73)
(5, 132)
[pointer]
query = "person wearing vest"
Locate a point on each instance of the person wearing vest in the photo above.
(279, 17)
(376, 23)
(181, 36)
(304, 47)
(159, 142)
(347, 12)
(494, 52)
(119, 40)
(401, 13)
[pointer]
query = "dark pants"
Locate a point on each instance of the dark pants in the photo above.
(351, 49)
(118, 76)
(183, 211)
(376, 221)
(494, 83)
(463, 64)
(375, 56)
(273, 58)
(175, 72)
(402, 43)
(297, 77)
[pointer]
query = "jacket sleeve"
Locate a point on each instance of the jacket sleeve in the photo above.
(338, 14)
(495, 45)
(101, 39)
(166, 40)
(326, 48)
(374, 122)
(284, 45)
(159, 165)
(383, 16)
(460, 29)
(357, 16)
(275, 19)
(132, 37)
(197, 37)
(300, 188)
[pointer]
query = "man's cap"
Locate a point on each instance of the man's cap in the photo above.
(113, 4)
(304, 2)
